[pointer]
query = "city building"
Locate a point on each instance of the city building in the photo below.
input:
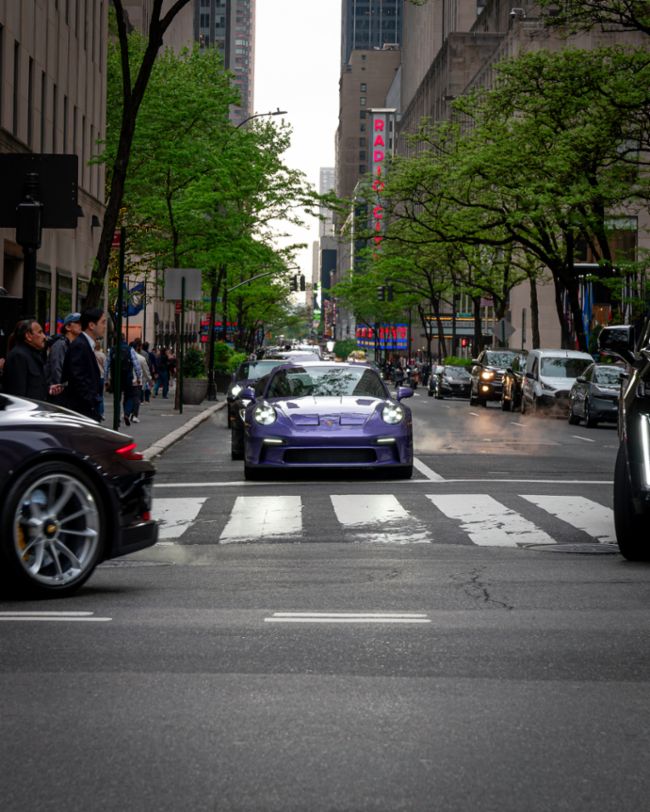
(229, 25)
(368, 25)
(53, 101)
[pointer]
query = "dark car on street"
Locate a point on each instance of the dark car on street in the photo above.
(513, 379)
(594, 396)
(72, 494)
(632, 470)
(487, 375)
(327, 416)
(246, 374)
(449, 382)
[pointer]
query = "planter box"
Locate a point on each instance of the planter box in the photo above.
(195, 390)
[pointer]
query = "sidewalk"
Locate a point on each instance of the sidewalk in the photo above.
(160, 424)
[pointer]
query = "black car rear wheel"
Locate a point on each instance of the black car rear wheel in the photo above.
(631, 527)
(53, 531)
(573, 417)
(590, 421)
(506, 405)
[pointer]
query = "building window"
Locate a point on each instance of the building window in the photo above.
(30, 104)
(362, 169)
(364, 87)
(362, 101)
(362, 114)
(82, 293)
(43, 109)
(43, 298)
(14, 125)
(63, 298)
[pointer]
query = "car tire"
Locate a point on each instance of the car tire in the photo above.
(403, 472)
(573, 418)
(236, 445)
(252, 474)
(66, 536)
(482, 402)
(590, 421)
(506, 405)
(631, 527)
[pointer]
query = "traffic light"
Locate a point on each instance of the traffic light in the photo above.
(302, 281)
(463, 342)
(381, 293)
(293, 283)
(389, 293)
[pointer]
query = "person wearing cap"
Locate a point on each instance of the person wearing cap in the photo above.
(58, 349)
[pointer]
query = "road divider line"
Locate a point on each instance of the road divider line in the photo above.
(585, 439)
(427, 472)
(347, 617)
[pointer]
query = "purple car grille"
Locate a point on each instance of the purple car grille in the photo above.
(332, 456)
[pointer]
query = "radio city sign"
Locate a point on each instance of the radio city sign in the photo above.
(380, 144)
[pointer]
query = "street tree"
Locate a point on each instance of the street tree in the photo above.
(607, 15)
(134, 85)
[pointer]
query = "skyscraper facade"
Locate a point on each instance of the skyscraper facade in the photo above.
(370, 24)
(229, 25)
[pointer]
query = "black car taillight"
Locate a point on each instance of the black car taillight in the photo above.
(128, 452)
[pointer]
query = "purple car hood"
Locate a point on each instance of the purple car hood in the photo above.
(347, 410)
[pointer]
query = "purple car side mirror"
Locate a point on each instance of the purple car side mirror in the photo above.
(404, 392)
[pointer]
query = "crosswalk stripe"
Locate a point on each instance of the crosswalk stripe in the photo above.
(176, 515)
(255, 517)
(487, 522)
(379, 518)
(365, 509)
(580, 512)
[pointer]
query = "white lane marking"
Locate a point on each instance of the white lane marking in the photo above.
(363, 509)
(475, 414)
(592, 517)
(176, 514)
(585, 439)
(346, 617)
(516, 423)
(58, 617)
(487, 522)
(429, 473)
(255, 517)
(379, 518)
(397, 482)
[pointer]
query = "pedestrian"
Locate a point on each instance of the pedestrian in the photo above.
(151, 365)
(58, 349)
(141, 388)
(100, 355)
(81, 373)
(24, 368)
(130, 376)
(162, 373)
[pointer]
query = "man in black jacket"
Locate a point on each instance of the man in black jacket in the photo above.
(81, 374)
(58, 349)
(24, 370)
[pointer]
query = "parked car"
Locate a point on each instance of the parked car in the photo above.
(487, 375)
(594, 396)
(72, 494)
(632, 471)
(513, 380)
(323, 415)
(449, 381)
(550, 374)
(246, 374)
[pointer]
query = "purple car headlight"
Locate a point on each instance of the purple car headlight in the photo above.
(392, 413)
(264, 414)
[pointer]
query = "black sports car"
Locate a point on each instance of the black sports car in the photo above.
(632, 471)
(72, 494)
(448, 381)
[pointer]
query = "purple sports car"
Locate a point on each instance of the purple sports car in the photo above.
(324, 415)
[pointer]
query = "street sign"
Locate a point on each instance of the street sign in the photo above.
(174, 283)
(504, 329)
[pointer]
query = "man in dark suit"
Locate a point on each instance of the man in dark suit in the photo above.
(81, 374)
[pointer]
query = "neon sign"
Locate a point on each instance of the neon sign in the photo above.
(379, 121)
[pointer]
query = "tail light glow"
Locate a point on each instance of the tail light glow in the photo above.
(128, 452)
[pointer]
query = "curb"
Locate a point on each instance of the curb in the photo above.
(165, 442)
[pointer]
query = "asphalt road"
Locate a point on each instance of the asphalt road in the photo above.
(468, 640)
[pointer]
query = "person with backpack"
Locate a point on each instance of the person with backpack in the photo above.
(162, 373)
(58, 349)
(130, 375)
(80, 375)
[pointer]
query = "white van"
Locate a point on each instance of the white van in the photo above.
(550, 374)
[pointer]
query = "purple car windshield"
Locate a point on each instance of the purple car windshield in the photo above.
(334, 381)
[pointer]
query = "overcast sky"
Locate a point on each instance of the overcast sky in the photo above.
(297, 55)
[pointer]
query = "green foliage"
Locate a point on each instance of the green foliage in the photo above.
(193, 363)
(455, 361)
(344, 347)
(236, 358)
(222, 355)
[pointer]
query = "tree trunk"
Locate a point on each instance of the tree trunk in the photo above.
(442, 343)
(534, 313)
(132, 99)
(478, 327)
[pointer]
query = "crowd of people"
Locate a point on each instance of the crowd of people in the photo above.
(72, 370)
